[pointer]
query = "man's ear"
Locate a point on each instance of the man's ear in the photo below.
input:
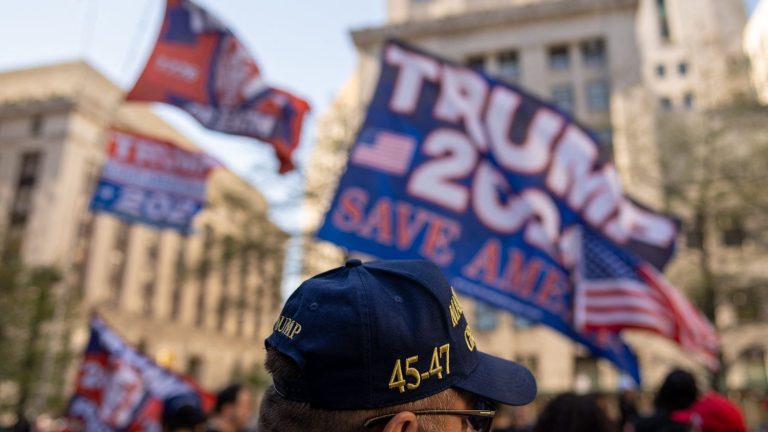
(402, 422)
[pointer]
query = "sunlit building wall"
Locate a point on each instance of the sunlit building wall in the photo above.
(756, 47)
(201, 304)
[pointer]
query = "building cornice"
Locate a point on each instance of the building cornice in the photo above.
(488, 18)
(29, 107)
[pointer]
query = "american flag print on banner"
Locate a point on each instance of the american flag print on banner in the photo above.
(390, 153)
(616, 291)
(200, 66)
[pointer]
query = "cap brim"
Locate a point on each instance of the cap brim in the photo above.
(500, 380)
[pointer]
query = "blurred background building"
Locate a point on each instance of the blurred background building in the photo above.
(621, 68)
(200, 304)
(756, 46)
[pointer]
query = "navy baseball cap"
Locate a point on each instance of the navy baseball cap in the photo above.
(381, 333)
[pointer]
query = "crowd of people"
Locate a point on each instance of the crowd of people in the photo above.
(325, 358)
(385, 347)
(678, 407)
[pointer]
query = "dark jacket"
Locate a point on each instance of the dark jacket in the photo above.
(659, 422)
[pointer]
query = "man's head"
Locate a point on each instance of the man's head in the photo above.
(677, 392)
(234, 405)
(183, 413)
(387, 340)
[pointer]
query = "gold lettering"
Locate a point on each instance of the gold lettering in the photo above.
(455, 309)
(469, 339)
(296, 330)
(278, 323)
(287, 327)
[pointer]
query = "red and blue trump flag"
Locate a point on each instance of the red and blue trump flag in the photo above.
(199, 66)
(491, 184)
(120, 389)
(150, 181)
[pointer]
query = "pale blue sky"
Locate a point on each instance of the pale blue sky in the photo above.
(301, 45)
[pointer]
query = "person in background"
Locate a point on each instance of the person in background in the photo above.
(512, 419)
(712, 413)
(678, 392)
(183, 413)
(569, 412)
(628, 413)
(233, 410)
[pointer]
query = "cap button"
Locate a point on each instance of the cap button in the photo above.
(354, 262)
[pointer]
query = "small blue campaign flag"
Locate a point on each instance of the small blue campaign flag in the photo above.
(489, 183)
(153, 182)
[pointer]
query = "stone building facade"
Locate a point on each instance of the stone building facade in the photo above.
(200, 304)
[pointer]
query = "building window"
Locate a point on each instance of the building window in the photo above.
(563, 97)
(21, 207)
(598, 95)
(732, 230)
(486, 317)
(530, 361)
(242, 304)
(150, 286)
(661, 70)
(119, 261)
(585, 375)
(682, 68)
(521, 323)
(203, 271)
(194, 367)
(476, 62)
(84, 234)
(593, 52)
(228, 252)
(665, 103)
(688, 101)
(36, 126)
(754, 360)
(663, 16)
(605, 140)
(83, 252)
(178, 283)
(605, 136)
(749, 306)
(559, 57)
(509, 66)
(141, 346)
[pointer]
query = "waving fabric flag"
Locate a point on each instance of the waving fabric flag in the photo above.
(150, 181)
(617, 291)
(119, 389)
(489, 183)
(199, 66)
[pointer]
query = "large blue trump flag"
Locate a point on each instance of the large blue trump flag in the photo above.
(489, 183)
